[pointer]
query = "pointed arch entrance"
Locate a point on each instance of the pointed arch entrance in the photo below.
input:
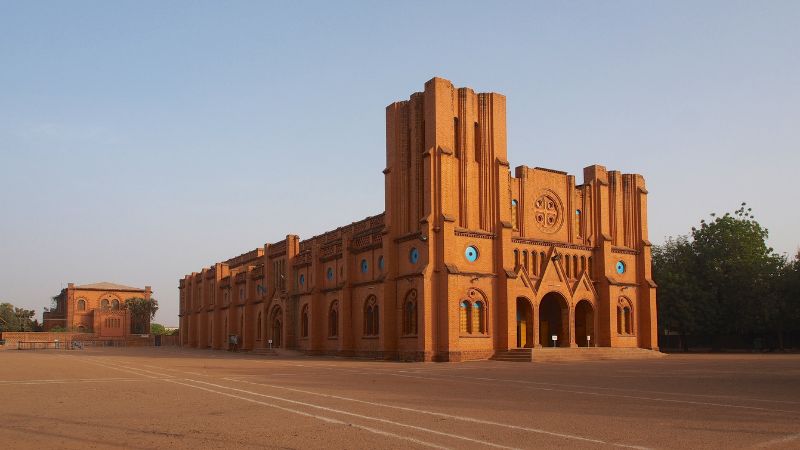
(584, 324)
(524, 323)
(276, 333)
(553, 320)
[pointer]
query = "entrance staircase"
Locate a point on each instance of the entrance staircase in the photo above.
(574, 354)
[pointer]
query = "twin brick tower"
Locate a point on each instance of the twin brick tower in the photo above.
(468, 260)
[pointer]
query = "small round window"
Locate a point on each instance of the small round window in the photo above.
(364, 266)
(471, 253)
(620, 267)
(413, 255)
(577, 212)
(380, 262)
(302, 279)
(330, 273)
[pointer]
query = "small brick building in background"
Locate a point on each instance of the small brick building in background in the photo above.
(469, 259)
(98, 309)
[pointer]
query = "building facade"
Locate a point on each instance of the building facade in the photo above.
(468, 259)
(97, 308)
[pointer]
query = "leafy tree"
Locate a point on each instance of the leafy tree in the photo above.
(58, 329)
(680, 298)
(725, 280)
(142, 312)
(16, 319)
(157, 328)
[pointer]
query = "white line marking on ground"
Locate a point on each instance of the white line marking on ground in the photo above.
(314, 416)
(779, 441)
(602, 394)
(418, 371)
(360, 416)
(448, 416)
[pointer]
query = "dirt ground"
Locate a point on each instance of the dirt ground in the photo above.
(173, 398)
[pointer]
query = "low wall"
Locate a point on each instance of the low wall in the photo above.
(12, 338)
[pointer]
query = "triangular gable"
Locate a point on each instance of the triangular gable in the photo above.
(523, 275)
(553, 271)
(584, 288)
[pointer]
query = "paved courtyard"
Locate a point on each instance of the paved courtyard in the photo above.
(171, 398)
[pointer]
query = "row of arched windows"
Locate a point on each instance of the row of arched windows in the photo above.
(105, 304)
(472, 317)
(371, 317)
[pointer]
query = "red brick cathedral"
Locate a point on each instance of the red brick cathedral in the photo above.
(469, 259)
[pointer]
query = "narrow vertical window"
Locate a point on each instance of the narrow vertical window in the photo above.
(464, 317)
(304, 322)
(333, 319)
(514, 221)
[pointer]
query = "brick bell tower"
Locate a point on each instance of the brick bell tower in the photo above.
(446, 179)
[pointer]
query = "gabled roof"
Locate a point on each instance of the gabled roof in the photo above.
(106, 286)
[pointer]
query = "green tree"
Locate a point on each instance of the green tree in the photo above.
(13, 318)
(142, 312)
(724, 280)
(680, 297)
(157, 328)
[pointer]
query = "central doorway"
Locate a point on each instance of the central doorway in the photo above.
(524, 323)
(554, 320)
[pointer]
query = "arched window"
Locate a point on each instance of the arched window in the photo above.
(81, 305)
(115, 304)
(465, 315)
(516, 258)
(525, 261)
(258, 327)
(478, 318)
(624, 316)
(371, 316)
(541, 263)
(410, 314)
(333, 319)
(304, 322)
(104, 303)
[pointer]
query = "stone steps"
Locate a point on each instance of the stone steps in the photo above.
(574, 354)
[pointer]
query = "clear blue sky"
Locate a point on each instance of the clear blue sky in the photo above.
(142, 140)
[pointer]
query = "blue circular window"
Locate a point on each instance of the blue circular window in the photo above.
(413, 255)
(330, 273)
(513, 203)
(620, 267)
(577, 212)
(380, 262)
(471, 253)
(364, 265)
(302, 279)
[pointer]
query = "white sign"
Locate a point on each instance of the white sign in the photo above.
(270, 341)
(554, 337)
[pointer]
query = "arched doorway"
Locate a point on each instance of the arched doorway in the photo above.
(553, 320)
(584, 324)
(524, 323)
(277, 327)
